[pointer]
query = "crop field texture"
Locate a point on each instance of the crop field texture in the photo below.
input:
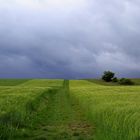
(40, 109)
(18, 104)
(114, 110)
(43, 109)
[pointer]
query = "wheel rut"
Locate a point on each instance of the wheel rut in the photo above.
(61, 118)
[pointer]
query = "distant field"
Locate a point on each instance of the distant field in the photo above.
(136, 81)
(101, 82)
(44, 109)
(43, 83)
(12, 82)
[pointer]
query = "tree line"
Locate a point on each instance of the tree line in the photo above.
(109, 76)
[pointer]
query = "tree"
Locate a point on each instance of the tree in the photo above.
(108, 76)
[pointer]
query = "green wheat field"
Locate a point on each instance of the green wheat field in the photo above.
(43, 109)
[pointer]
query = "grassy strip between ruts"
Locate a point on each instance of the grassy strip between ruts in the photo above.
(59, 118)
(36, 113)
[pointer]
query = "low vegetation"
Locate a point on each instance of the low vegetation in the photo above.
(125, 81)
(114, 110)
(69, 110)
(41, 109)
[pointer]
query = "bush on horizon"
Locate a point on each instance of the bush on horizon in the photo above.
(125, 81)
(115, 80)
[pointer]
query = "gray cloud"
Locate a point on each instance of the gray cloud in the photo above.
(69, 39)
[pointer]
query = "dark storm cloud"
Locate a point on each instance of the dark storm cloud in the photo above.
(71, 39)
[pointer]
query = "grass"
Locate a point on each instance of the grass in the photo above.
(44, 109)
(59, 118)
(41, 109)
(13, 113)
(114, 110)
(17, 103)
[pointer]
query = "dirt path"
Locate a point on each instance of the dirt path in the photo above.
(60, 119)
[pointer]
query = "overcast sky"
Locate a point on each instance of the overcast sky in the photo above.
(69, 38)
